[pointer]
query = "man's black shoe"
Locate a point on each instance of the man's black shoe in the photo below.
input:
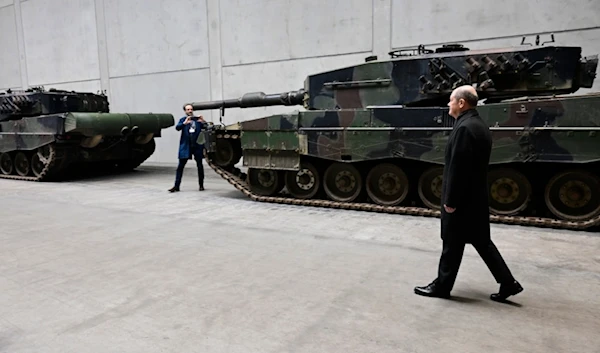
(173, 189)
(506, 290)
(432, 290)
(201, 188)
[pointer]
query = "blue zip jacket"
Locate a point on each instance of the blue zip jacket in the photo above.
(187, 142)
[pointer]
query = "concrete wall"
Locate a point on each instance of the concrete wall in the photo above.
(155, 55)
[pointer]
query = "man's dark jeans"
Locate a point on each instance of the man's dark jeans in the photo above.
(179, 174)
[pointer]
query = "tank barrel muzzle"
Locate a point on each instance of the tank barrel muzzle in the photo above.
(254, 99)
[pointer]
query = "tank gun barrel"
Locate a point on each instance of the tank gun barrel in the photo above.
(254, 99)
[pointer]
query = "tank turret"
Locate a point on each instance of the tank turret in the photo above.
(427, 77)
(16, 104)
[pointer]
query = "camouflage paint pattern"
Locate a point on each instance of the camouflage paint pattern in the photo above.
(566, 129)
(428, 79)
(33, 132)
(29, 133)
(43, 133)
(37, 101)
(541, 130)
(382, 126)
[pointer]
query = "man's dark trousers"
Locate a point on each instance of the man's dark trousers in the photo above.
(183, 161)
(452, 253)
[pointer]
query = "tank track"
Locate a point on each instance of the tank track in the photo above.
(61, 158)
(243, 186)
(57, 155)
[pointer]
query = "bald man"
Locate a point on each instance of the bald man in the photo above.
(465, 210)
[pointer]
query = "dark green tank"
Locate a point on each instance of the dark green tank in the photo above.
(372, 136)
(45, 133)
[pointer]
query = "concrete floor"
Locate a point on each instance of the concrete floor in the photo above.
(117, 264)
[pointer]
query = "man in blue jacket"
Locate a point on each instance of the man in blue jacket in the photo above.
(190, 127)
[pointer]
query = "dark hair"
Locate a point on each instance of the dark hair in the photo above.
(185, 105)
(469, 97)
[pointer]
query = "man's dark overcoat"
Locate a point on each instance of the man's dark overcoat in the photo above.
(465, 186)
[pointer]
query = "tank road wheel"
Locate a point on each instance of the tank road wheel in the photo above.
(387, 184)
(22, 164)
(430, 187)
(342, 182)
(40, 159)
(6, 163)
(304, 183)
(573, 195)
(226, 154)
(509, 191)
(265, 182)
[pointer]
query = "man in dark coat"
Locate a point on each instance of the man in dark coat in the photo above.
(465, 210)
(190, 127)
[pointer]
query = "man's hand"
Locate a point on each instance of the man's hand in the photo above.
(449, 209)
(201, 118)
(188, 119)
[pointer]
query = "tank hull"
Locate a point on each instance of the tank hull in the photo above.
(47, 147)
(544, 167)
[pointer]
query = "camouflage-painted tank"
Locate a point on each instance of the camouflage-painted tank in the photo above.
(45, 133)
(373, 135)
